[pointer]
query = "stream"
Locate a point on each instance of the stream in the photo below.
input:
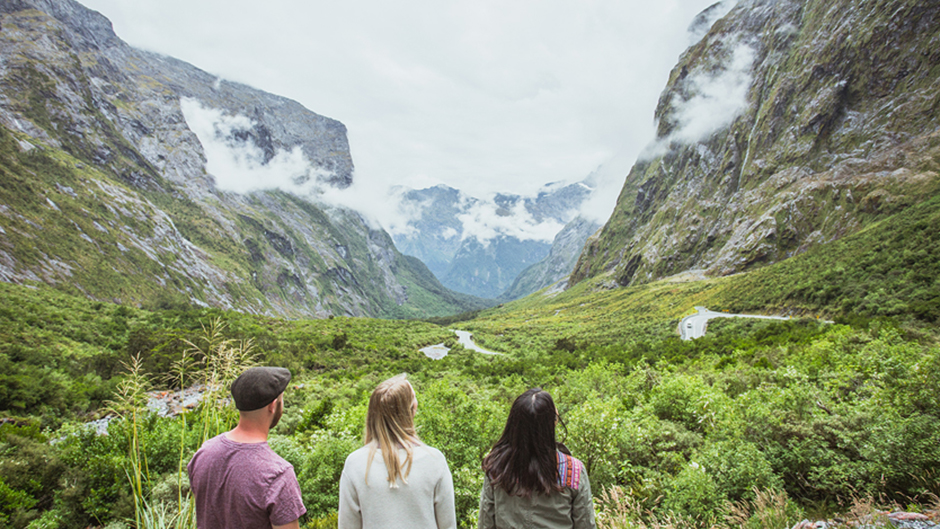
(438, 351)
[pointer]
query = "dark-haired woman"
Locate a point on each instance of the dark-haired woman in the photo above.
(528, 482)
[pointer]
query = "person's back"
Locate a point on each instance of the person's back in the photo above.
(425, 502)
(243, 485)
(238, 482)
(527, 481)
(562, 509)
(395, 480)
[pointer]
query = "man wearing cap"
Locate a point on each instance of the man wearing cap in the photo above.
(237, 480)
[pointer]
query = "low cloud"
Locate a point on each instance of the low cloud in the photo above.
(606, 181)
(717, 97)
(238, 165)
(485, 220)
(707, 18)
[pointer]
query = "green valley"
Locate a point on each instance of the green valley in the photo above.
(819, 413)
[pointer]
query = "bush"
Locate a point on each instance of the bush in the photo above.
(687, 400)
(694, 493)
(738, 468)
(321, 469)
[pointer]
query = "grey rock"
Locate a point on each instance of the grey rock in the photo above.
(137, 190)
(835, 125)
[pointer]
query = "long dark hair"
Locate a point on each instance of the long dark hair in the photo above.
(523, 460)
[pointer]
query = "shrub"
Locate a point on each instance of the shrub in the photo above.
(738, 468)
(694, 493)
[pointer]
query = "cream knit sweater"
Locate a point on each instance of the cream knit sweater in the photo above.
(425, 502)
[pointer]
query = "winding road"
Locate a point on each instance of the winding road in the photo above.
(694, 326)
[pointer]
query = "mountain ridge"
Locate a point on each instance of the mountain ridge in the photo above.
(834, 130)
(98, 152)
(481, 246)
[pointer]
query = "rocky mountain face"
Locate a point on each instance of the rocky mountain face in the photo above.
(104, 189)
(790, 124)
(558, 264)
(480, 247)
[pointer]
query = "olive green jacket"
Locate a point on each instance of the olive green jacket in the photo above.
(570, 508)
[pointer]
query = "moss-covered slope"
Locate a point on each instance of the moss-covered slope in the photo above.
(790, 124)
(104, 190)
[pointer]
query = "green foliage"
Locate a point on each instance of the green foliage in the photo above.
(30, 473)
(694, 493)
(817, 410)
(738, 468)
(463, 422)
(888, 269)
(320, 467)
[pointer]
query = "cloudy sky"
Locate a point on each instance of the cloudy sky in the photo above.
(485, 96)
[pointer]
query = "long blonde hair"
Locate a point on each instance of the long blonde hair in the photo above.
(390, 426)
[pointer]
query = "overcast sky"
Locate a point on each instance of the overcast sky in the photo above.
(485, 96)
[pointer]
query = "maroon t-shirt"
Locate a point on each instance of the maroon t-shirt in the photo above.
(243, 486)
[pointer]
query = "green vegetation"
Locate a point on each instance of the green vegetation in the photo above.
(890, 268)
(758, 424)
(757, 420)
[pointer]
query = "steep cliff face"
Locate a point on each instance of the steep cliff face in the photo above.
(105, 189)
(791, 123)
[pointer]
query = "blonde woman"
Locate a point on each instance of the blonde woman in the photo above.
(395, 480)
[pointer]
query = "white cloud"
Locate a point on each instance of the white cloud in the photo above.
(708, 18)
(607, 181)
(482, 95)
(484, 221)
(717, 97)
(240, 166)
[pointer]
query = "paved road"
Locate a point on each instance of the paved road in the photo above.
(694, 326)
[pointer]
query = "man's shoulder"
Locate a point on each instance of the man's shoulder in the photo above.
(259, 455)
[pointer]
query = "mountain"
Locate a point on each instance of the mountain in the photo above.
(105, 192)
(479, 246)
(558, 264)
(791, 124)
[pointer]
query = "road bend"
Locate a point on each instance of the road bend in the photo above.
(694, 326)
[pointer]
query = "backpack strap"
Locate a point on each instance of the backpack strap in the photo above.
(569, 471)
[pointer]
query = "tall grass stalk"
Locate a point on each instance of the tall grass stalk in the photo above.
(159, 515)
(617, 509)
(130, 403)
(769, 508)
(220, 361)
(215, 362)
(178, 376)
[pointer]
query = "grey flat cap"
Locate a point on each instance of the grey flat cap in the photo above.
(259, 386)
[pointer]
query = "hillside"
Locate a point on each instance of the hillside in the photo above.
(790, 124)
(107, 190)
